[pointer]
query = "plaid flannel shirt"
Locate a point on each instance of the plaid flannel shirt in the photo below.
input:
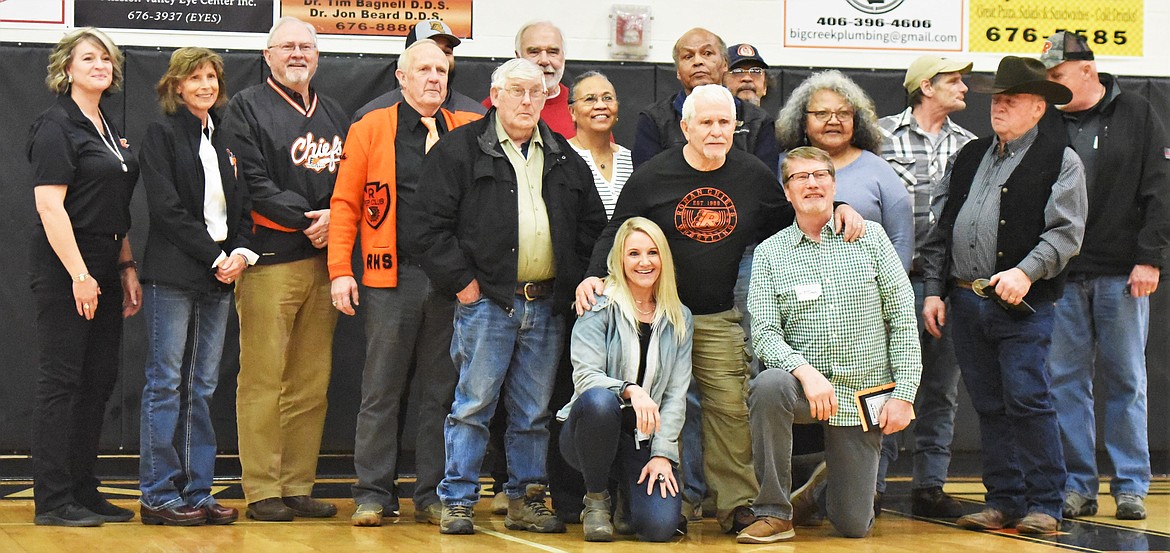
(908, 150)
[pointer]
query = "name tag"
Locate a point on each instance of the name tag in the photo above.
(808, 292)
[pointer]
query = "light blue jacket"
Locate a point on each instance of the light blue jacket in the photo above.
(605, 353)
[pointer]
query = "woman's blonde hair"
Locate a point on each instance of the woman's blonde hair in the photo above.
(62, 55)
(184, 62)
(665, 290)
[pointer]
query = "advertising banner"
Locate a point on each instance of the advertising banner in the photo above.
(379, 17)
(32, 11)
(935, 25)
(1112, 27)
(244, 16)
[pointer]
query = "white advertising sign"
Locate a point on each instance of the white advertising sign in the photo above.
(932, 25)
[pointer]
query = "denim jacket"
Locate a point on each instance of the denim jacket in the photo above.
(605, 352)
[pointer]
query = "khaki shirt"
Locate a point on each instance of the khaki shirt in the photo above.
(534, 253)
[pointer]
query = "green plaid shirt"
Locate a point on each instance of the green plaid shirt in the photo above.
(846, 308)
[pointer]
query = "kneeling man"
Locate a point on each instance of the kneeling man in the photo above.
(829, 318)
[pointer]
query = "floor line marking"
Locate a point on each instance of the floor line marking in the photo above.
(522, 541)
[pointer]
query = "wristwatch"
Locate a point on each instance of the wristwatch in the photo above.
(128, 264)
(81, 278)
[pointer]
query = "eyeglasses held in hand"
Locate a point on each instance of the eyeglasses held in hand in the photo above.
(823, 115)
(821, 175)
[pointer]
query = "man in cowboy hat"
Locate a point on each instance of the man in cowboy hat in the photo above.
(1016, 216)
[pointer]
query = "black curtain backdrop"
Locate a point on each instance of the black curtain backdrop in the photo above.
(353, 80)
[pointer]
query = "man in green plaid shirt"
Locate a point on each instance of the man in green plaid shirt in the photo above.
(829, 318)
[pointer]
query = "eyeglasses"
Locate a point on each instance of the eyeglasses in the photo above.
(519, 91)
(753, 70)
(290, 47)
(821, 175)
(824, 116)
(593, 98)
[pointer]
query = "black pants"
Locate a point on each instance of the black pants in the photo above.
(79, 362)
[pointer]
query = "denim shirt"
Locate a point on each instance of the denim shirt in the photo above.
(605, 345)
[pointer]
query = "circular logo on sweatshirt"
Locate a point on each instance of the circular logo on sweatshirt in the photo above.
(706, 215)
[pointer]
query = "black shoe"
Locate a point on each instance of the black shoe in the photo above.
(933, 502)
(741, 517)
(270, 510)
(877, 504)
(108, 511)
(69, 514)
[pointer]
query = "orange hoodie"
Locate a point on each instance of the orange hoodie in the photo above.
(365, 196)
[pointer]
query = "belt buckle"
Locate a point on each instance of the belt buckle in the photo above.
(526, 296)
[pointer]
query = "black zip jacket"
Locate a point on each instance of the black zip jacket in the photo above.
(465, 225)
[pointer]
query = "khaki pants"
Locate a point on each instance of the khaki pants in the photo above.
(286, 355)
(719, 365)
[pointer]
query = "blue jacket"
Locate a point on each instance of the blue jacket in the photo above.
(605, 352)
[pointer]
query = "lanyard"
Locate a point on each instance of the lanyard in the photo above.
(112, 145)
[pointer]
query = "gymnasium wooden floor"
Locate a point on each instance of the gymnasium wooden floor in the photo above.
(895, 531)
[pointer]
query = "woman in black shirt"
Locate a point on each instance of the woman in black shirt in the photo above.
(82, 273)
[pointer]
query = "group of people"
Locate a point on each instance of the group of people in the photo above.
(516, 256)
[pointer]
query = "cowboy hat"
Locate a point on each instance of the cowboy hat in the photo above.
(1018, 75)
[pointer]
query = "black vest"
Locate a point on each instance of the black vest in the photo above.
(1021, 206)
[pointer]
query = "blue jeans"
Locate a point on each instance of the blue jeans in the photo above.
(935, 407)
(517, 352)
(1097, 320)
(594, 442)
(1003, 364)
(407, 325)
(184, 335)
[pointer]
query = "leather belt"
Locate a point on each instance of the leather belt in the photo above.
(534, 290)
(964, 284)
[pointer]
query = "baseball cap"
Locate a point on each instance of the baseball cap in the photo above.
(1064, 46)
(926, 67)
(742, 53)
(430, 29)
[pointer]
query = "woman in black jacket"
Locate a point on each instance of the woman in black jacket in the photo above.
(198, 245)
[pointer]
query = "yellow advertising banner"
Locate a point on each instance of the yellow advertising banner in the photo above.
(379, 17)
(1112, 27)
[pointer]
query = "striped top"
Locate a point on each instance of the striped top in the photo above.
(623, 166)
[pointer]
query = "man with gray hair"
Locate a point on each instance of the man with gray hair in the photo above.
(437, 31)
(407, 321)
(288, 142)
(506, 223)
(1012, 215)
(712, 201)
(543, 43)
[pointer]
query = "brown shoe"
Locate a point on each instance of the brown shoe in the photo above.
(767, 530)
(218, 514)
(987, 519)
(1037, 523)
(305, 506)
(174, 516)
(270, 510)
